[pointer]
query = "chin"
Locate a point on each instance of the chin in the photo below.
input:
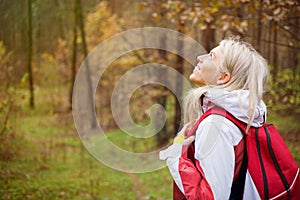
(193, 78)
(196, 80)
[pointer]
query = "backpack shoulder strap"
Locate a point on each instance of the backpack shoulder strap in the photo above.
(237, 188)
(219, 111)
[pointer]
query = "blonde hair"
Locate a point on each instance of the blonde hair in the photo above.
(248, 70)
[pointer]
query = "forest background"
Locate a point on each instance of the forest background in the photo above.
(43, 43)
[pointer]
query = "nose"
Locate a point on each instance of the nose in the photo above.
(201, 58)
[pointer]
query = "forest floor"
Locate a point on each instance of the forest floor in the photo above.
(51, 163)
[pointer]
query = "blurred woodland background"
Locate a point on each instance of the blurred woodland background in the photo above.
(42, 44)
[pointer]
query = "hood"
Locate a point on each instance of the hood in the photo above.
(236, 102)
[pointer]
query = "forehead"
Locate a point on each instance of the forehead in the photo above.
(217, 50)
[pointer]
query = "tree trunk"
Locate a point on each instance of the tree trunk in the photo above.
(59, 19)
(295, 29)
(116, 6)
(275, 53)
(29, 53)
(88, 73)
(208, 38)
(294, 59)
(259, 27)
(74, 52)
(162, 136)
(269, 47)
(179, 68)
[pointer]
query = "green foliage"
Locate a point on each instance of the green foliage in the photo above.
(289, 128)
(2, 49)
(5, 66)
(24, 80)
(9, 148)
(10, 141)
(283, 94)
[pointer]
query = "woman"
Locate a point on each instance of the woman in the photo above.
(232, 76)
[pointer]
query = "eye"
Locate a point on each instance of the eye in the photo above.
(212, 55)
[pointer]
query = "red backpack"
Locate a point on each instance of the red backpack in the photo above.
(272, 168)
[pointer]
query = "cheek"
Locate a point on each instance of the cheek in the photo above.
(210, 74)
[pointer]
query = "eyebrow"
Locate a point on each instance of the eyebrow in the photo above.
(213, 53)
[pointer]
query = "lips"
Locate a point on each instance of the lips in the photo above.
(197, 68)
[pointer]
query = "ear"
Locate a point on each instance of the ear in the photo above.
(224, 78)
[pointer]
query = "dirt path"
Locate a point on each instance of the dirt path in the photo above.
(137, 187)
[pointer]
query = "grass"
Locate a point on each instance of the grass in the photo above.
(53, 166)
(52, 163)
(289, 128)
(59, 180)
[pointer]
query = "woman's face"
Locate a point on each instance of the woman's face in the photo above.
(206, 72)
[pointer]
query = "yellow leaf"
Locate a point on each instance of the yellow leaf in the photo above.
(140, 7)
(178, 139)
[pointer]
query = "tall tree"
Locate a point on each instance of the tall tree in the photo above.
(275, 52)
(29, 52)
(74, 50)
(179, 83)
(259, 25)
(87, 64)
(163, 135)
(116, 7)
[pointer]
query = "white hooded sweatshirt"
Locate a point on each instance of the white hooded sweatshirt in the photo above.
(215, 142)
